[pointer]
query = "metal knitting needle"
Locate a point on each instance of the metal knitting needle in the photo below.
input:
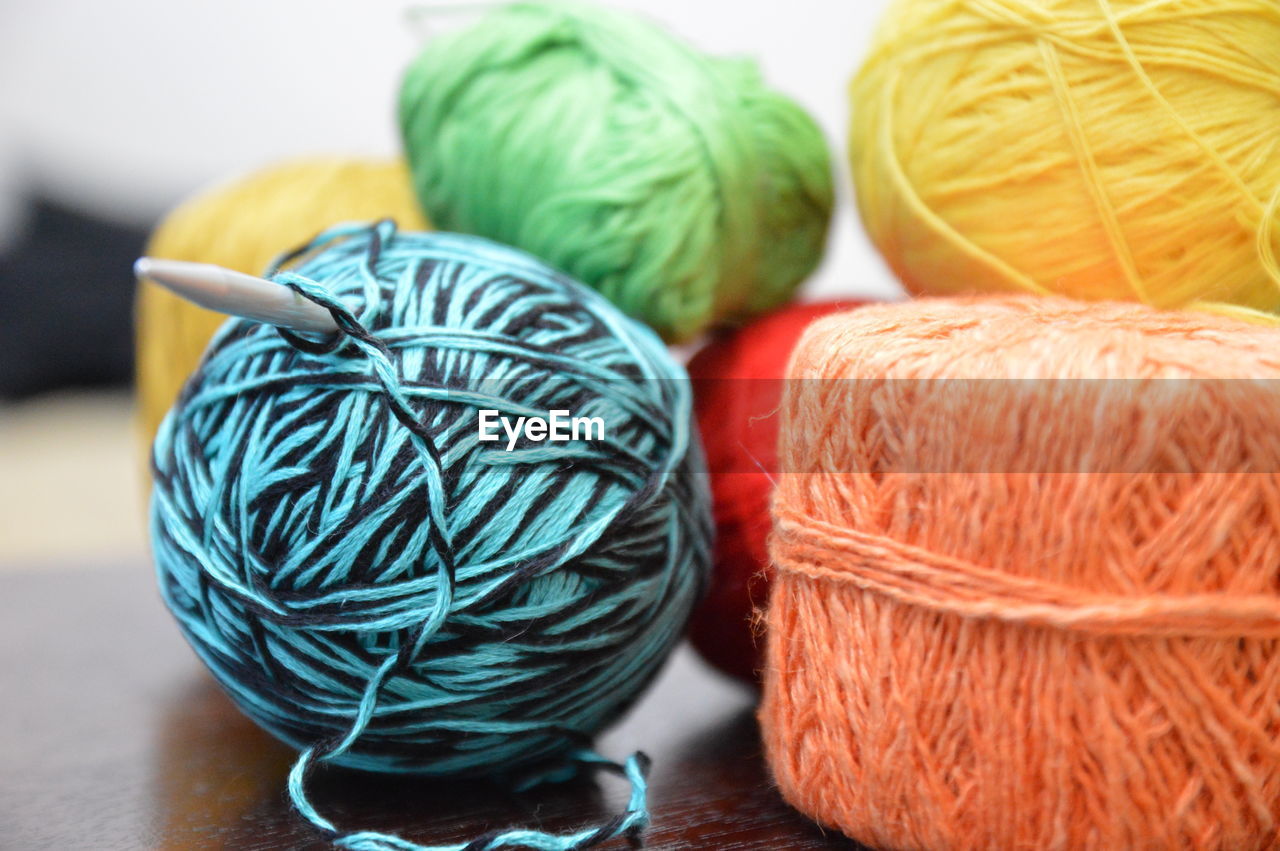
(237, 294)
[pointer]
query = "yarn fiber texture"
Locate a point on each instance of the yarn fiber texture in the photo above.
(675, 183)
(243, 224)
(737, 391)
(380, 589)
(1027, 588)
(1100, 149)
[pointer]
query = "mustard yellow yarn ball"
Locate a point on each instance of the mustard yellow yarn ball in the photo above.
(243, 225)
(1102, 149)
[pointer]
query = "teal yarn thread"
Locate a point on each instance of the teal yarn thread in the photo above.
(677, 184)
(377, 587)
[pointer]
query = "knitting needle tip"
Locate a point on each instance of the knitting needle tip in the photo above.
(235, 293)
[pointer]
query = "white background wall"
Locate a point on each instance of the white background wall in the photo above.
(124, 107)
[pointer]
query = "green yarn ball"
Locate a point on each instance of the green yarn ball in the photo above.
(676, 184)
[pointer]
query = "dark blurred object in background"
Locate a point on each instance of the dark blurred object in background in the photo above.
(66, 302)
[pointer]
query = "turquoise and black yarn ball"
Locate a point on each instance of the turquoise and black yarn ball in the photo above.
(377, 586)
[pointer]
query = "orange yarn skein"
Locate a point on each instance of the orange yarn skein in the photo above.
(1037, 613)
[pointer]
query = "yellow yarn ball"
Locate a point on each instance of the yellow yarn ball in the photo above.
(1102, 149)
(244, 225)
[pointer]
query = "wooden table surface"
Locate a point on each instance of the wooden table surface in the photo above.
(112, 736)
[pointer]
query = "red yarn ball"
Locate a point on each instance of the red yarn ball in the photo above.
(737, 381)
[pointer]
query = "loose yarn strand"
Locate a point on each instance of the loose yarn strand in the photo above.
(629, 824)
(636, 816)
